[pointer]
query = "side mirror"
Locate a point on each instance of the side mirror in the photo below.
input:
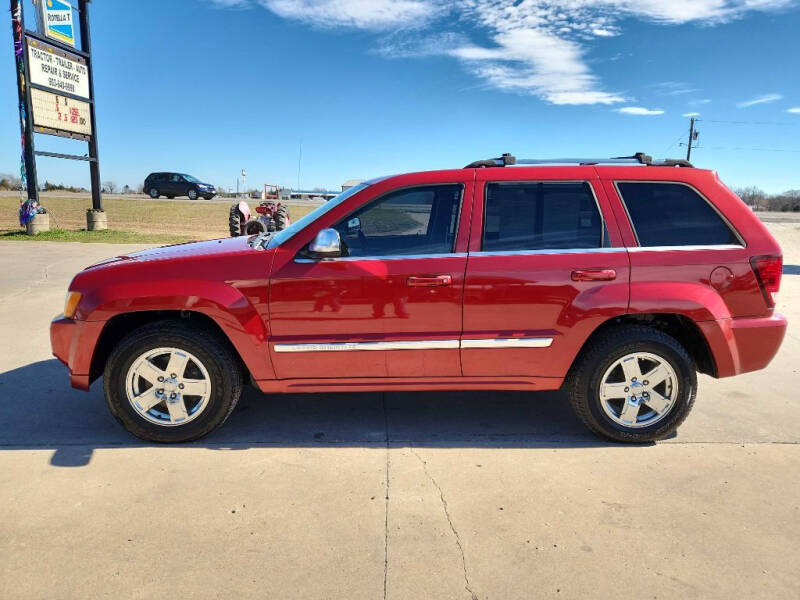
(327, 244)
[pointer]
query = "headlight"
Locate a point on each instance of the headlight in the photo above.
(71, 304)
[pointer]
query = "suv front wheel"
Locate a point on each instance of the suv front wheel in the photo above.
(170, 382)
(633, 384)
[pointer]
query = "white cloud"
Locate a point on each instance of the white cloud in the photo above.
(700, 101)
(640, 110)
(794, 110)
(532, 61)
(360, 14)
(230, 3)
(691, 114)
(765, 99)
(536, 47)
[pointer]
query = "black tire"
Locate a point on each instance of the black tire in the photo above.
(583, 381)
(192, 193)
(254, 227)
(154, 193)
(235, 221)
(281, 218)
(223, 369)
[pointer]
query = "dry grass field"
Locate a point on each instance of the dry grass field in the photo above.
(130, 218)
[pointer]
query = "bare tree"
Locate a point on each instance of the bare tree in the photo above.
(110, 187)
(10, 182)
(753, 197)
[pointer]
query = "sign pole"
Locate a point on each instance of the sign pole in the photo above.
(94, 160)
(28, 162)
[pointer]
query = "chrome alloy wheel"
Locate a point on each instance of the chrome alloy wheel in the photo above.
(638, 390)
(168, 386)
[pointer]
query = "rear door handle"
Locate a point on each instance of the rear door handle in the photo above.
(594, 275)
(433, 281)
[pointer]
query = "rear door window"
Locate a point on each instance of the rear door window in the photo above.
(541, 216)
(673, 214)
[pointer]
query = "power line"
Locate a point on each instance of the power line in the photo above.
(668, 148)
(746, 149)
(779, 123)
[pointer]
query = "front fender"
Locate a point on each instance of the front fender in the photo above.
(235, 314)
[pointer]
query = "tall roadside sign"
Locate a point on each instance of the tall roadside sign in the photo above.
(56, 19)
(55, 91)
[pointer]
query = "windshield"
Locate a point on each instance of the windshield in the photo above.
(190, 179)
(297, 226)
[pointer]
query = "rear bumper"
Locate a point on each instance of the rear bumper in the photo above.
(744, 345)
(73, 343)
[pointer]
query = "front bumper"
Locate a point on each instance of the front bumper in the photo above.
(73, 343)
(744, 344)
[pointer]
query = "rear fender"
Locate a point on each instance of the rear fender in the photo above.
(693, 300)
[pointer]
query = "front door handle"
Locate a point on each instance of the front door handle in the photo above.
(432, 281)
(594, 275)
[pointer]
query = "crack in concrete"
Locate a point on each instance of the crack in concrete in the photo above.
(44, 278)
(467, 585)
(386, 511)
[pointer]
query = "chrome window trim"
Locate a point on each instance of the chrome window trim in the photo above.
(713, 207)
(603, 225)
(694, 247)
(390, 257)
(544, 252)
(538, 342)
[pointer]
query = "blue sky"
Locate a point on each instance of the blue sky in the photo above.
(373, 87)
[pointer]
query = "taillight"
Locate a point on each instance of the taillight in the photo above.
(768, 271)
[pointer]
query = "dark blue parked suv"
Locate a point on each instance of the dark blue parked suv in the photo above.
(177, 184)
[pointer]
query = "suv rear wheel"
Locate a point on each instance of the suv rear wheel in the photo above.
(153, 193)
(169, 382)
(633, 384)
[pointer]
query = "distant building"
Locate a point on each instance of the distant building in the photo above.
(350, 183)
(312, 195)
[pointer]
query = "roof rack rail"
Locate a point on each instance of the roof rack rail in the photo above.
(639, 158)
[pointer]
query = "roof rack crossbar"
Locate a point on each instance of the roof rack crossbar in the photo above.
(580, 161)
(640, 158)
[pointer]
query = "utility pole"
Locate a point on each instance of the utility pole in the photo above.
(94, 158)
(28, 160)
(692, 138)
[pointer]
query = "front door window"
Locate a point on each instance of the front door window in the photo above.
(409, 222)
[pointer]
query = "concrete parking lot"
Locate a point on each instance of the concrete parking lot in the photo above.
(401, 495)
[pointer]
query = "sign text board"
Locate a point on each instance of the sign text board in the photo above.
(60, 71)
(59, 115)
(57, 21)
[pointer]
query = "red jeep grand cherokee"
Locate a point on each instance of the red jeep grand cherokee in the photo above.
(616, 279)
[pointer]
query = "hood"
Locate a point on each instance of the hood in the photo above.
(186, 251)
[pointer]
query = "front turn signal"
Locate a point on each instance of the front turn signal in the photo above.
(71, 305)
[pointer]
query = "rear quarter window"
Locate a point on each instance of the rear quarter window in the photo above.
(673, 214)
